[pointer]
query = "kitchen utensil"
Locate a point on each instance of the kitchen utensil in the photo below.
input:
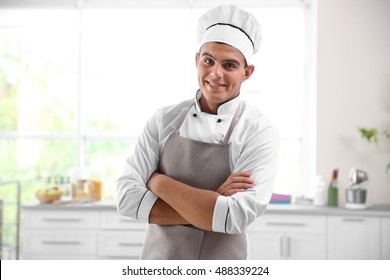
(357, 195)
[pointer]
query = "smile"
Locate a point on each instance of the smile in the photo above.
(215, 85)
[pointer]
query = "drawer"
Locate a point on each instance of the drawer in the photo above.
(289, 223)
(112, 220)
(61, 219)
(115, 244)
(59, 242)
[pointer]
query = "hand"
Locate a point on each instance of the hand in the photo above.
(236, 182)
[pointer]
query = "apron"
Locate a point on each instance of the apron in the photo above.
(201, 165)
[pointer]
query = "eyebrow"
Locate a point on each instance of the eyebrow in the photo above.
(225, 60)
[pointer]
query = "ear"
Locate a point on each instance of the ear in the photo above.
(196, 58)
(248, 72)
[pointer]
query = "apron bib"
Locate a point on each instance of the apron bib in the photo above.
(201, 165)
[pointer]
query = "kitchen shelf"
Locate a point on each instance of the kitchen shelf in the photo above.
(10, 251)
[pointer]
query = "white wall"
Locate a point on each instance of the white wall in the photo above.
(353, 75)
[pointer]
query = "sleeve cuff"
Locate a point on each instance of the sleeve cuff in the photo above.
(221, 211)
(145, 206)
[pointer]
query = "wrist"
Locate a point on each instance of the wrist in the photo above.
(155, 181)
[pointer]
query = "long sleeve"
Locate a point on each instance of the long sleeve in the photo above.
(133, 198)
(258, 155)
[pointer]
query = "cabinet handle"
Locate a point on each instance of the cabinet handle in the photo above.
(285, 224)
(126, 244)
(353, 220)
(125, 221)
(288, 245)
(61, 219)
(60, 242)
(281, 247)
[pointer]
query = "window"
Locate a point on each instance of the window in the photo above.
(78, 84)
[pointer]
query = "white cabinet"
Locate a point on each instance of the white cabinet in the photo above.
(59, 234)
(287, 237)
(120, 237)
(265, 246)
(385, 238)
(354, 237)
(99, 232)
(50, 233)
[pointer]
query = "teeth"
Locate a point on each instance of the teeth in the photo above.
(215, 85)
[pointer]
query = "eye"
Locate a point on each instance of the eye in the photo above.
(230, 66)
(208, 61)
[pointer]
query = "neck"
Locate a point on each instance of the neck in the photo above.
(208, 108)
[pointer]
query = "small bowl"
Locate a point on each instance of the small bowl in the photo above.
(47, 198)
(356, 195)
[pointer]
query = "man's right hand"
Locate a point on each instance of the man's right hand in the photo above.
(236, 182)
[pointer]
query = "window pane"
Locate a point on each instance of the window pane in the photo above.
(129, 71)
(289, 176)
(28, 160)
(38, 74)
(276, 85)
(106, 159)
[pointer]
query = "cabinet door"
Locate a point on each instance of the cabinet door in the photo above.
(59, 243)
(353, 238)
(385, 237)
(265, 246)
(60, 219)
(120, 244)
(300, 246)
(112, 220)
(275, 237)
(296, 246)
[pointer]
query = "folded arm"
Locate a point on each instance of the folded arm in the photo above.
(182, 204)
(229, 209)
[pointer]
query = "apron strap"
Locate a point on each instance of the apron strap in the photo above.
(232, 124)
(177, 130)
(229, 131)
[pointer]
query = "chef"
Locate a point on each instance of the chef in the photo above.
(203, 169)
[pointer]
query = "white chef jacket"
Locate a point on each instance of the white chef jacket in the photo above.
(253, 147)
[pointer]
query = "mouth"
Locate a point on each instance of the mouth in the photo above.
(215, 85)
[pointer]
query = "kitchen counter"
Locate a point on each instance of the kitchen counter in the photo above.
(382, 210)
(84, 205)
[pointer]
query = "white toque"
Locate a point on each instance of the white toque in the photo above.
(233, 26)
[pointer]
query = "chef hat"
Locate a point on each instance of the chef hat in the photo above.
(233, 26)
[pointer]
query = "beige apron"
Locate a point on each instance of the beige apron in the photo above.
(201, 165)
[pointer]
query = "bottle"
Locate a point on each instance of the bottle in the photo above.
(320, 192)
(333, 189)
(65, 184)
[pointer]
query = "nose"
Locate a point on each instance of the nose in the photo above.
(216, 71)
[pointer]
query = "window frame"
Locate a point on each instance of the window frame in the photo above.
(308, 140)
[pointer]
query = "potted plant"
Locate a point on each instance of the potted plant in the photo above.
(372, 136)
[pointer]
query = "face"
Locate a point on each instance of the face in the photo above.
(221, 71)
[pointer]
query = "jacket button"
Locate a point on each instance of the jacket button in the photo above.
(194, 115)
(219, 120)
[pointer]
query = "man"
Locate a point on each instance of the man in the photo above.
(203, 170)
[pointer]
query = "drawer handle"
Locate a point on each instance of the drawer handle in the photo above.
(281, 247)
(285, 224)
(288, 241)
(60, 242)
(61, 219)
(126, 244)
(353, 220)
(125, 220)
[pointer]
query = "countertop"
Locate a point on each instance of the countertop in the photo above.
(375, 210)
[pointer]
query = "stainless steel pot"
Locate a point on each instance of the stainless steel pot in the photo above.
(356, 195)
